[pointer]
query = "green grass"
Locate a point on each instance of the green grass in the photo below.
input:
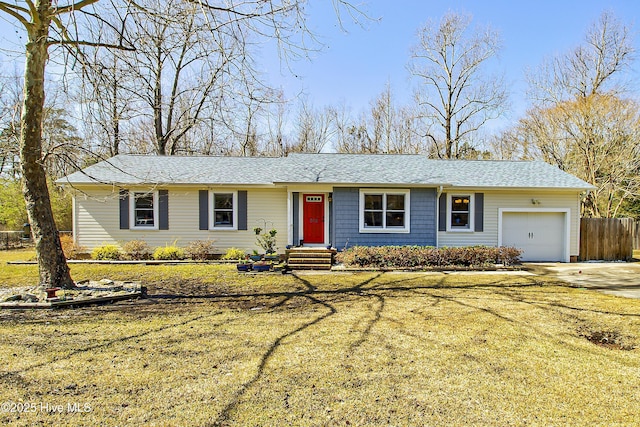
(213, 347)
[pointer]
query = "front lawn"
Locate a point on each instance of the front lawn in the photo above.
(214, 347)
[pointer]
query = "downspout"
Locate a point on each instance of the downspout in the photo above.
(440, 189)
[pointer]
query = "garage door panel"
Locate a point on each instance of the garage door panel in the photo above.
(541, 235)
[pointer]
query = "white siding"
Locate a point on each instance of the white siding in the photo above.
(493, 200)
(98, 220)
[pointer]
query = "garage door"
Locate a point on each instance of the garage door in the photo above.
(540, 234)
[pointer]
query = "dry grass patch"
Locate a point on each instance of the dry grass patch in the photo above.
(213, 347)
(17, 275)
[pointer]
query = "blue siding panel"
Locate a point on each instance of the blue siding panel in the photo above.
(347, 228)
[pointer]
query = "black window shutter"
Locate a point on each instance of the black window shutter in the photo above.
(163, 209)
(203, 198)
(442, 212)
(124, 209)
(242, 210)
(295, 197)
(479, 212)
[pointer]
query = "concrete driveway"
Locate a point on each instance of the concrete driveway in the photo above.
(614, 278)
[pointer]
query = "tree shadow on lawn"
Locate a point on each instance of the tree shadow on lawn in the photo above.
(15, 374)
(403, 284)
(308, 294)
(243, 388)
(379, 293)
(372, 288)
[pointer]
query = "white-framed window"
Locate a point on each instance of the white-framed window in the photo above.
(143, 210)
(223, 210)
(460, 212)
(385, 211)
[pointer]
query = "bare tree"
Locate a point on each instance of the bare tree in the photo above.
(393, 128)
(594, 138)
(61, 142)
(10, 104)
(177, 65)
(407, 131)
(597, 66)
(193, 70)
(383, 115)
(242, 114)
(105, 100)
(383, 128)
(580, 120)
(456, 97)
(512, 144)
(314, 129)
(276, 122)
(106, 108)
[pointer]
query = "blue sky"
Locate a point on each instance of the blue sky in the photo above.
(355, 66)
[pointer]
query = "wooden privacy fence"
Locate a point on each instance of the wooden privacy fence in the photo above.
(608, 239)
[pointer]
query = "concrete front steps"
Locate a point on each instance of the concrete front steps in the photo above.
(310, 258)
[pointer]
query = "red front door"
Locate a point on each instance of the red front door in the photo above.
(313, 218)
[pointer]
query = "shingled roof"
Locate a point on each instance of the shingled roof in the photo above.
(128, 169)
(338, 169)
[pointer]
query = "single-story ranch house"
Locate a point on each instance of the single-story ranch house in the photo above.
(340, 200)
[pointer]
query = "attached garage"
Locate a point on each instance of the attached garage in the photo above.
(542, 234)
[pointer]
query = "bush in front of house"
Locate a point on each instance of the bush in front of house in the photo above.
(106, 252)
(427, 256)
(234, 254)
(70, 248)
(137, 250)
(509, 255)
(168, 253)
(200, 250)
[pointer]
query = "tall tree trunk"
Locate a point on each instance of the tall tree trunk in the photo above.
(51, 260)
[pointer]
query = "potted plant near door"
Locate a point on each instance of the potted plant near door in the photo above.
(243, 265)
(261, 266)
(255, 257)
(267, 241)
